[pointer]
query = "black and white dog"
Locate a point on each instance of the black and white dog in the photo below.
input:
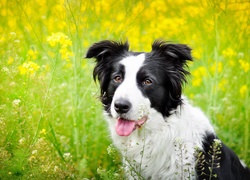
(160, 135)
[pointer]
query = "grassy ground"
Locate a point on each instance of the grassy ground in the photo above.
(51, 123)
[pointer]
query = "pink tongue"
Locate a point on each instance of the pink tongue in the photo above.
(124, 127)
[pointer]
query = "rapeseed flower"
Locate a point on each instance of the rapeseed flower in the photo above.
(32, 54)
(28, 68)
(200, 71)
(243, 91)
(228, 52)
(244, 65)
(65, 54)
(232, 63)
(216, 67)
(43, 131)
(64, 43)
(10, 60)
(59, 38)
(198, 74)
(197, 53)
(196, 81)
(222, 85)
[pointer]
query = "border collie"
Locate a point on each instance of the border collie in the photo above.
(159, 134)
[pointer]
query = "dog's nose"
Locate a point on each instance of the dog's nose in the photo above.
(122, 106)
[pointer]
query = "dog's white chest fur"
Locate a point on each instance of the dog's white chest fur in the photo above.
(163, 148)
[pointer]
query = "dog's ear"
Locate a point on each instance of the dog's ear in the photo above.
(105, 48)
(173, 58)
(105, 52)
(177, 53)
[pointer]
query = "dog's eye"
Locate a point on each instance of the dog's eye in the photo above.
(118, 79)
(147, 82)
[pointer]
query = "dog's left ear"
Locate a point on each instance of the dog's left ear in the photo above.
(173, 59)
(175, 56)
(179, 54)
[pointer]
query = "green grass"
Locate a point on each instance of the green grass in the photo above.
(51, 123)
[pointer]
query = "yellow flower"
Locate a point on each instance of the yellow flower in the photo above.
(196, 81)
(68, 65)
(10, 60)
(43, 131)
(216, 67)
(244, 65)
(65, 53)
(243, 91)
(229, 52)
(59, 38)
(64, 42)
(200, 71)
(232, 63)
(28, 68)
(197, 53)
(222, 85)
(198, 74)
(32, 54)
(51, 54)
(85, 44)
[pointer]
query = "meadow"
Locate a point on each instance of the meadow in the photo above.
(51, 123)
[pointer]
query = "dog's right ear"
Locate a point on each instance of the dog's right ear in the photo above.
(105, 53)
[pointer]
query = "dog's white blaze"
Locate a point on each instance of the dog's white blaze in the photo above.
(129, 89)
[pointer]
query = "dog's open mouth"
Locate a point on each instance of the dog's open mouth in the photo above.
(125, 127)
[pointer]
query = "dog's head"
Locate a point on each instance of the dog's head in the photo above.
(134, 83)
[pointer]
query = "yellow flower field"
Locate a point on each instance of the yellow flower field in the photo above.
(51, 123)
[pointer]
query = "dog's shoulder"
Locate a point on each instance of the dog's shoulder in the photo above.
(219, 162)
